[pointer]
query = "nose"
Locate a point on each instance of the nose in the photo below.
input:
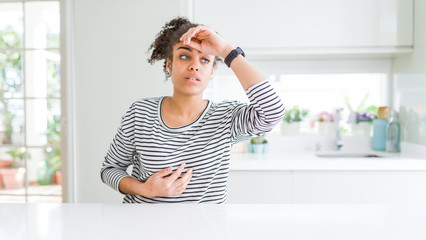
(194, 66)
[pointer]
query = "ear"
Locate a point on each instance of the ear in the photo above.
(169, 65)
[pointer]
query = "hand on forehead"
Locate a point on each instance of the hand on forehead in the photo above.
(181, 46)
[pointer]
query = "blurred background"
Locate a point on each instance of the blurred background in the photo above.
(69, 70)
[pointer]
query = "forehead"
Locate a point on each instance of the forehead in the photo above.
(181, 47)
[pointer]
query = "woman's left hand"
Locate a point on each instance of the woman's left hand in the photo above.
(207, 41)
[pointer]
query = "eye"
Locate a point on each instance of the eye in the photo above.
(184, 57)
(205, 60)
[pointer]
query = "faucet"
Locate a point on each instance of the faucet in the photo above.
(338, 143)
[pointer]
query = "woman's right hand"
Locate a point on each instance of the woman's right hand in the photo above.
(160, 186)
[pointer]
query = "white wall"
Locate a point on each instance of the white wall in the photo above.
(409, 75)
(111, 39)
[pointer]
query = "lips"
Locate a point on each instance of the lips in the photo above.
(192, 78)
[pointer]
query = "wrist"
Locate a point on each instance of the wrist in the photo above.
(145, 190)
(226, 51)
(232, 55)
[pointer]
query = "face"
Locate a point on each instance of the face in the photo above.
(190, 70)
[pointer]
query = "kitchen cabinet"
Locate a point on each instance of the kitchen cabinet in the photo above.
(307, 27)
(259, 187)
(381, 187)
(327, 187)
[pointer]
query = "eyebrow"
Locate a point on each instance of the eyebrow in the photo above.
(186, 48)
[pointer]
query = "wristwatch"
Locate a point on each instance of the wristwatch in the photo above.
(233, 54)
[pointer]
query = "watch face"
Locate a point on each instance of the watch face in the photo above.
(240, 51)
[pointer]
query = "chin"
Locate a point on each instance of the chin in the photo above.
(191, 92)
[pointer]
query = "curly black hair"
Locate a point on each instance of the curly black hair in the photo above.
(162, 47)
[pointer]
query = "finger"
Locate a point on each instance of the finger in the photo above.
(191, 41)
(187, 175)
(195, 45)
(192, 33)
(180, 189)
(183, 37)
(164, 172)
(184, 179)
(176, 174)
(186, 36)
(198, 33)
(187, 181)
(187, 33)
(183, 187)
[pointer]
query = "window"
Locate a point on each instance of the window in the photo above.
(30, 102)
(318, 94)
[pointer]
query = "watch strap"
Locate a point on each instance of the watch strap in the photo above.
(232, 55)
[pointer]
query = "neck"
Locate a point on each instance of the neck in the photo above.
(186, 105)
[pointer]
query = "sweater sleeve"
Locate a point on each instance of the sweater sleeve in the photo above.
(120, 153)
(260, 116)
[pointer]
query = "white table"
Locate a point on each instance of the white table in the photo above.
(208, 221)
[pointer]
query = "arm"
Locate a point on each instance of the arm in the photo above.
(265, 109)
(260, 116)
(158, 185)
(120, 153)
(119, 157)
(206, 40)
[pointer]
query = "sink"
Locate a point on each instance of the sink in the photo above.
(338, 154)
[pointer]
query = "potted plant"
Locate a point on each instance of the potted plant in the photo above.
(44, 174)
(361, 124)
(292, 119)
(3, 163)
(325, 123)
(14, 174)
(361, 118)
(52, 166)
(258, 145)
(49, 170)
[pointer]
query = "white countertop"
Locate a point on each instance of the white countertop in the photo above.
(309, 161)
(209, 221)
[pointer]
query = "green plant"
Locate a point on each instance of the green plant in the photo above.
(259, 140)
(18, 155)
(362, 113)
(10, 75)
(361, 108)
(295, 114)
(8, 118)
(53, 158)
(53, 150)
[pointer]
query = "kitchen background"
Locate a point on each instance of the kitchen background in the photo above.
(375, 45)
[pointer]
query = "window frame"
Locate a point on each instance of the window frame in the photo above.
(62, 98)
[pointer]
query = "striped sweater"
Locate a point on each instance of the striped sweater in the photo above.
(146, 142)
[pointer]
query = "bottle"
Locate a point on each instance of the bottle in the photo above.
(378, 140)
(393, 133)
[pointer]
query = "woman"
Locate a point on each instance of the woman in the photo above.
(179, 145)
